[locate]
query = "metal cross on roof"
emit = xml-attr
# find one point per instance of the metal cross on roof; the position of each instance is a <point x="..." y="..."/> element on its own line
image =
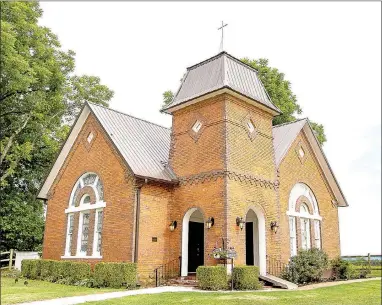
<point x="222" y="29"/>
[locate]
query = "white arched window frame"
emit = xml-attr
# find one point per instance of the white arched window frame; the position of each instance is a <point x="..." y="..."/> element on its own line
<point x="301" y="189"/>
<point x="84" y="209"/>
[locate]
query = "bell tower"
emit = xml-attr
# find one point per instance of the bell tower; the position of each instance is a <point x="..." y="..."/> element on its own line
<point x="222" y="120"/>
<point x="222" y="153"/>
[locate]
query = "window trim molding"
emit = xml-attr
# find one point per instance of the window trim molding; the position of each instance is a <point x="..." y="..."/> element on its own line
<point x="82" y="257"/>
<point x="293" y="250"/>
<point x="95" y="234"/>
<point x="67" y="249"/>
<point x="81" y="208"/>
<point x="308" y="216"/>
<point x="317" y="233"/>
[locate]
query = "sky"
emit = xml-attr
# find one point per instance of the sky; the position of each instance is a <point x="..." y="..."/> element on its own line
<point x="330" y="52"/>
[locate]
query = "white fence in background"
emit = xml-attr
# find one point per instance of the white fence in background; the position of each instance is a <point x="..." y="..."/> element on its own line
<point x="20" y="255"/>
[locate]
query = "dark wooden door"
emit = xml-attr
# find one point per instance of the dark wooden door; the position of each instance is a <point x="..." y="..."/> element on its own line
<point x="195" y="245"/>
<point x="249" y="243"/>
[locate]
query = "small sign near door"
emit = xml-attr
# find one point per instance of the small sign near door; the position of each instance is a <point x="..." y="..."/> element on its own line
<point x="154" y="239"/>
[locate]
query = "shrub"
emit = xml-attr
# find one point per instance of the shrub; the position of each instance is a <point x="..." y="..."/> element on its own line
<point x="61" y="270"/>
<point x="46" y="267"/>
<point x="79" y="271"/>
<point x="115" y="275"/>
<point x="212" y="277"/>
<point x="306" y="267"/>
<point x="31" y="268"/>
<point x="342" y="270"/>
<point x="52" y="271"/>
<point x="246" y="278"/>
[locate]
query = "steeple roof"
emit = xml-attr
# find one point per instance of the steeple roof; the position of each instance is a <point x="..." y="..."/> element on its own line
<point x="219" y="72"/>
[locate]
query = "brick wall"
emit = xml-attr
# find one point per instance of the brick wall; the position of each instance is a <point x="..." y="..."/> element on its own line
<point x="251" y="182"/>
<point x="101" y="158"/>
<point x="223" y="170"/>
<point x="154" y="220"/>
<point x="292" y="170"/>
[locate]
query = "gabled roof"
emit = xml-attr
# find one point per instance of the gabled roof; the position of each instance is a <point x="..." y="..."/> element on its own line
<point x="143" y="145"/>
<point x="218" y="72"/>
<point x="284" y="136"/>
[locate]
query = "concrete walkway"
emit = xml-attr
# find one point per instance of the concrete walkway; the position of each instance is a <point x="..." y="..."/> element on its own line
<point x="119" y="294"/>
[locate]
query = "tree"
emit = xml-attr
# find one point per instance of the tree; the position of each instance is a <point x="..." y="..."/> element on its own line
<point x="39" y="97"/>
<point x="280" y="92"/>
<point x="167" y="97"/>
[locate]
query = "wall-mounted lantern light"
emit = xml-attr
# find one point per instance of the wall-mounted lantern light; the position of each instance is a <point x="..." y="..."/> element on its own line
<point x="274" y="226"/>
<point x="210" y="222"/>
<point x="240" y="222"/>
<point x="173" y="225"/>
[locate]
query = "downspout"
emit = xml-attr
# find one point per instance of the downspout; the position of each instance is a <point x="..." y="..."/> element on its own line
<point x="137" y="210"/>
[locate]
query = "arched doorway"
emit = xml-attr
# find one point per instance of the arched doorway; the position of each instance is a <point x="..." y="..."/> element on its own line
<point x="192" y="241"/>
<point x="255" y="240"/>
<point x="251" y="239"/>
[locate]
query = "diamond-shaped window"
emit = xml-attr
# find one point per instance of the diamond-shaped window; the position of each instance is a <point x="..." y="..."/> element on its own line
<point x="90" y="137"/>
<point x="250" y="126"/>
<point x="196" y="127"/>
<point x="301" y="152"/>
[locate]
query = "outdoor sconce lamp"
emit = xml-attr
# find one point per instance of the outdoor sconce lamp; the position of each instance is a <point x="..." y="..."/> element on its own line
<point x="210" y="222"/>
<point x="173" y="225"/>
<point x="240" y="222"/>
<point x="274" y="226"/>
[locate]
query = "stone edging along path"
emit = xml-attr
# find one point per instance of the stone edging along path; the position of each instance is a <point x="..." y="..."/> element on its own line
<point x="119" y="294"/>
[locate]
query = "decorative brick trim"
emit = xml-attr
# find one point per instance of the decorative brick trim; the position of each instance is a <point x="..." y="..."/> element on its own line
<point x="214" y="175"/>
<point x="85" y="190"/>
<point x="302" y="199"/>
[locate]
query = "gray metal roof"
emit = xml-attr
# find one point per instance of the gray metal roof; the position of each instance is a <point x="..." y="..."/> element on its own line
<point x="145" y="146"/>
<point x="283" y="137"/>
<point x="221" y="71"/>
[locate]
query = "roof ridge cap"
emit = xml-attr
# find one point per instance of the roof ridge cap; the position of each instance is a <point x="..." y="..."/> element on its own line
<point x="129" y="115"/>
<point x="206" y="60"/>
<point x="241" y="62"/>
<point x="288" y="123"/>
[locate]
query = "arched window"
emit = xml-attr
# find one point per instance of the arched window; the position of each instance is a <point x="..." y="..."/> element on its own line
<point x="305" y="217"/>
<point x="86" y="199"/>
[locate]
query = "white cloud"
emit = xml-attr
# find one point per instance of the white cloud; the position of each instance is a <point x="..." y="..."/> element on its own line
<point x="331" y="52"/>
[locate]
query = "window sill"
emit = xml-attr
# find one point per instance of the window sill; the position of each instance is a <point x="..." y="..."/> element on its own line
<point x="309" y="216"/>
<point x="82" y="257"/>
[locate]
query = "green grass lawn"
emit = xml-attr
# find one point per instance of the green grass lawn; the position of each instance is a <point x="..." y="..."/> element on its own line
<point x="365" y="293"/>
<point x="12" y="292"/>
<point x="375" y="273"/>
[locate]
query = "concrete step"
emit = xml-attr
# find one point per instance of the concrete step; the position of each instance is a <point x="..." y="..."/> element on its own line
<point x="278" y="282"/>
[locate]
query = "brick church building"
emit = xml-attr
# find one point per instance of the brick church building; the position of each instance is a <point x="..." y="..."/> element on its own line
<point x="123" y="189"/>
